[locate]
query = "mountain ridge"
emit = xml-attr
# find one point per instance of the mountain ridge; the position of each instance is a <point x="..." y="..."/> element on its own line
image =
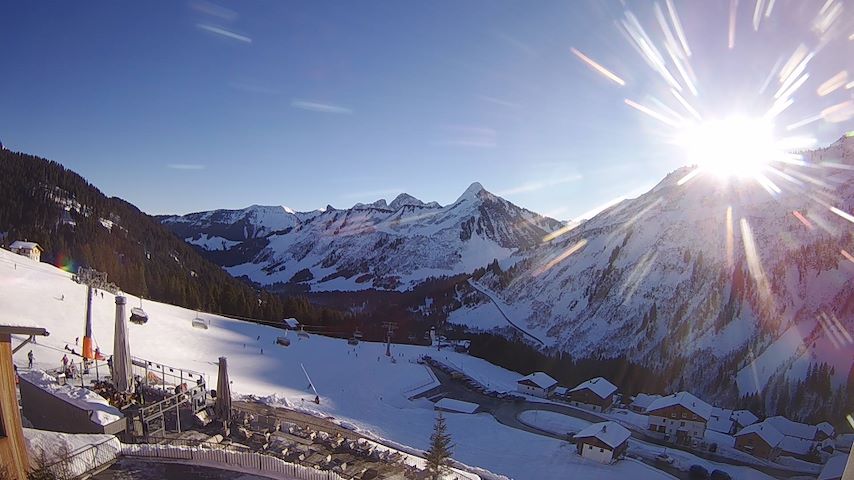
<point x="409" y="240"/>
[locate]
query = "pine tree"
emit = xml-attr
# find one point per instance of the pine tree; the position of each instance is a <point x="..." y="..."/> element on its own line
<point x="440" y="448"/>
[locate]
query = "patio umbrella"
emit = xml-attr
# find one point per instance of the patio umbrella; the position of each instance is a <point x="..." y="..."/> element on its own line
<point x="222" y="406"/>
<point x="122" y="367"/>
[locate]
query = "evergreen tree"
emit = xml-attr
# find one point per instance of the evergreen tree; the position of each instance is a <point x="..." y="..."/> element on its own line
<point x="440" y="448"/>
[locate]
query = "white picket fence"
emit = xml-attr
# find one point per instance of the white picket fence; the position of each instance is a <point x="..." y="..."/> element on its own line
<point x="265" y="465"/>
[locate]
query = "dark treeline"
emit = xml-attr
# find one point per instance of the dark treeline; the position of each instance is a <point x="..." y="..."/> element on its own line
<point x="519" y="356"/>
<point x="76" y="224"/>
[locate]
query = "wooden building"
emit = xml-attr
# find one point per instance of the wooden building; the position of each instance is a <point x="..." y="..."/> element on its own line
<point x="603" y="442"/>
<point x="596" y="394"/>
<point x="13" y="451"/>
<point x="760" y="440"/>
<point x="679" y="418"/>
<point x="537" y="383"/>
<point x="31" y="250"/>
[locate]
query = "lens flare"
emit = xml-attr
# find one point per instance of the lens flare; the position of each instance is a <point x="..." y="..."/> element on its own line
<point x="65" y="262"/>
<point x="736" y="146"/>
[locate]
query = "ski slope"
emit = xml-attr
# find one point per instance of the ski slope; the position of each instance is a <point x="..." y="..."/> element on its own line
<point x="358" y="385"/>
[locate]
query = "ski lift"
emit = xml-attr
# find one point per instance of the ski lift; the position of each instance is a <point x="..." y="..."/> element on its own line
<point x="353" y="341"/>
<point x="302" y="334"/>
<point x="283" y="341"/>
<point x="138" y="315"/>
<point x="200" y="322"/>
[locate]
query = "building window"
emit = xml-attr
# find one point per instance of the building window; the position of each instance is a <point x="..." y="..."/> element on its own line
<point x="601" y="450"/>
<point x="681" y="424"/>
<point x="673" y="415"/>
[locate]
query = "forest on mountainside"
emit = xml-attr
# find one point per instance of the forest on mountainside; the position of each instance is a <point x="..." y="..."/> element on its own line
<point x="77" y="225"/>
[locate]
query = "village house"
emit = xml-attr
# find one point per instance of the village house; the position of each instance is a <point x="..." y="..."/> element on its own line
<point x="760" y="440"/>
<point x="797" y="440"/>
<point x="642" y="401"/>
<point x="537" y="383"/>
<point x="727" y="421"/>
<point x="596" y="394"/>
<point x="13" y="451"/>
<point x="31" y="250"/>
<point x="603" y="442"/>
<point x="679" y="418"/>
<point x="819" y="436"/>
<point x="835" y="467"/>
<point x="744" y="418"/>
<point x="720" y="420"/>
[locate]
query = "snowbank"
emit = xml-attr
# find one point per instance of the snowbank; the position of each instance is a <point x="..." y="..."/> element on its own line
<point x="51" y="447"/>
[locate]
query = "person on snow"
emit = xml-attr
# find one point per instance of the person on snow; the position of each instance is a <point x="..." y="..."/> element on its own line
<point x="64" y="362"/>
<point x="30" y="358"/>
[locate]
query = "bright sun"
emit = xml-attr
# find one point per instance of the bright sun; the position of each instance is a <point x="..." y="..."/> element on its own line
<point x="736" y="146"/>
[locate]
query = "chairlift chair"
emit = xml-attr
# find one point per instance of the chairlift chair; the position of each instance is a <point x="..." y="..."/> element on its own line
<point x="200" y="322"/>
<point x="283" y="341"/>
<point x="138" y="315"/>
<point x="353" y="341"/>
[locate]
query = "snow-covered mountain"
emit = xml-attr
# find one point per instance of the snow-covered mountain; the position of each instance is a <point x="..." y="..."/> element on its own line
<point x="701" y="276"/>
<point x="378" y="245"/>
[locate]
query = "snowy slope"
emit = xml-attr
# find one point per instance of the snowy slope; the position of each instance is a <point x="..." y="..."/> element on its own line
<point x="378" y="245"/>
<point x="359" y="385"/>
<point x="713" y="269"/>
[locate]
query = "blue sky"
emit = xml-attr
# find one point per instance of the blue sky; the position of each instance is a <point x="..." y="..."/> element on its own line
<point x="187" y="106"/>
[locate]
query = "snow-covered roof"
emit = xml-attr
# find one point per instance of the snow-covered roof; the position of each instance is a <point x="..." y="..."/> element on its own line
<point x="610" y="433"/>
<point x="539" y="379"/>
<point x="826" y="428"/>
<point x="456" y="405"/>
<point x="766" y="432"/>
<point x="744" y="417"/>
<point x="102" y="413"/>
<point x="791" y="428"/>
<point x="800" y="446"/>
<point x="720" y="420"/>
<point x="601" y="387"/>
<point x="834" y="468"/>
<point x="684" y="399"/>
<point x="291" y="322"/>
<point x="17" y="244"/>
<point x="643" y="400"/>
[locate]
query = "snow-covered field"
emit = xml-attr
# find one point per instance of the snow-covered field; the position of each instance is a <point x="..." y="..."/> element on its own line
<point x="553" y="422"/>
<point x="358" y="384"/>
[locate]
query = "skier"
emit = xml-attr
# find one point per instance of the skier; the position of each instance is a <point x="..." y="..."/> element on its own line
<point x="64" y="362"/>
<point x="77" y="341"/>
<point x="30" y="358"/>
<point x="262" y="351"/>
<point x="62" y="298"/>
